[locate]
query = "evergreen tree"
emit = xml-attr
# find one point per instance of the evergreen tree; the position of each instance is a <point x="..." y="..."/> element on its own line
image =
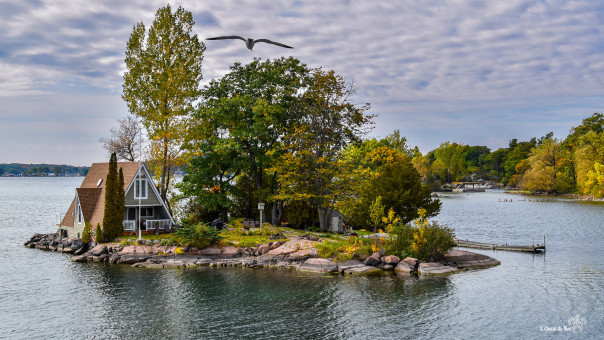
<point x="120" y="203"/>
<point x="98" y="235"/>
<point x="109" y="216"/>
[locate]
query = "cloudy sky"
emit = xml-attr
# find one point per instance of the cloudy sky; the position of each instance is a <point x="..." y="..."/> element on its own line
<point x="472" y="72"/>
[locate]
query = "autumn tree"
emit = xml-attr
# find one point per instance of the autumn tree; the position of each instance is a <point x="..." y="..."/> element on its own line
<point x="544" y="168"/>
<point x="382" y="171"/>
<point x="310" y="167"/>
<point x="161" y="85"/>
<point x="124" y="140"/>
<point x="250" y="110"/>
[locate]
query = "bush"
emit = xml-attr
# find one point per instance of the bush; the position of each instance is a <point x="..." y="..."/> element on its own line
<point x="399" y="242"/>
<point x="98" y="235"/>
<point x="87" y="233"/>
<point x="197" y="235"/>
<point x="432" y="241"/>
<point x="167" y="242"/>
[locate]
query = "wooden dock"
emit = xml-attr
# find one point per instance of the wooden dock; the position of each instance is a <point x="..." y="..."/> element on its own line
<point x="492" y="246"/>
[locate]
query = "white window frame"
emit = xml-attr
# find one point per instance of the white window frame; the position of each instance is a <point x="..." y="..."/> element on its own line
<point x="143" y="183"/>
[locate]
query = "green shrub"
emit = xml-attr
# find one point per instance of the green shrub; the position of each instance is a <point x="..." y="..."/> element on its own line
<point x="98" y="235"/>
<point x="400" y="240"/>
<point x="126" y="242"/>
<point x="236" y="223"/>
<point x="87" y="233"/>
<point x="198" y="235"/>
<point x="167" y="242"/>
<point x="432" y="241"/>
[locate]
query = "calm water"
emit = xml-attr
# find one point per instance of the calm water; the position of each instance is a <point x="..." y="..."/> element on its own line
<point x="43" y="295"/>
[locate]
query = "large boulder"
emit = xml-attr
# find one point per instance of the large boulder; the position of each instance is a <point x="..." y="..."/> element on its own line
<point x="342" y="266"/>
<point x="99" y="250"/>
<point x="263" y="249"/>
<point x="211" y="252"/>
<point x="374" y="260"/>
<point x="319" y="266"/>
<point x="230" y="252"/>
<point x="392" y="260"/>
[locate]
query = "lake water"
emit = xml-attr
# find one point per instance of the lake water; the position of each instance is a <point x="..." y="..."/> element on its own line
<point x="44" y="295"/>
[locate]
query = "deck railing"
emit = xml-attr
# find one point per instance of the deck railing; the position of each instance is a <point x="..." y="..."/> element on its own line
<point x="158" y="225"/>
<point x="129" y="225"/>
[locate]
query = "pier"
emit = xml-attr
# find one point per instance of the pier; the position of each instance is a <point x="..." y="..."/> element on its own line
<point x="535" y="248"/>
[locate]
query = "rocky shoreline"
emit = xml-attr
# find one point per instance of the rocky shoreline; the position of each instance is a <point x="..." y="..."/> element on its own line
<point x="297" y="253"/>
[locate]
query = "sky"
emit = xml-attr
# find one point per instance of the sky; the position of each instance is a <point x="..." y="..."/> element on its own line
<point x="471" y="72"/>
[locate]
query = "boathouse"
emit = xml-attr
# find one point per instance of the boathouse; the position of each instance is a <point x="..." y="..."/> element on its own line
<point x="88" y="205"/>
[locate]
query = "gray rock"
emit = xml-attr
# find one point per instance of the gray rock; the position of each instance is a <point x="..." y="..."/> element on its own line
<point x="342" y="266"/>
<point x="435" y="268"/>
<point x="319" y="266"/>
<point x="230" y="252"/>
<point x="211" y="252"/>
<point x="373" y="260"/>
<point x="363" y="270"/>
<point x="403" y="267"/>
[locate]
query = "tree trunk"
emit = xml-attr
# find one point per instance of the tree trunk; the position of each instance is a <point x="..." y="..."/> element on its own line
<point x="276" y="212"/>
<point x="324" y="217"/>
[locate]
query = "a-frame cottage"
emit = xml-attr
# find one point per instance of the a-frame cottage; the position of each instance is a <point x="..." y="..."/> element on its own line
<point x="88" y="204"/>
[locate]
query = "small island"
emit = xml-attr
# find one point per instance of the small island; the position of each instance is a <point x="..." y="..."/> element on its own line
<point x="289" y="250"/>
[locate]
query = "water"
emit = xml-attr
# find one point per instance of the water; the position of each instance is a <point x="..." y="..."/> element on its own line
<point x="43" y="295"/>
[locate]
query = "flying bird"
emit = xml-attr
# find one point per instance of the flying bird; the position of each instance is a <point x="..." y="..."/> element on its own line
<point x="249" y="42"/>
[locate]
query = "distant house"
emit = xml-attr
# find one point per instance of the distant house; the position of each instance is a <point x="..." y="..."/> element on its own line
<point x="88" y="204"/>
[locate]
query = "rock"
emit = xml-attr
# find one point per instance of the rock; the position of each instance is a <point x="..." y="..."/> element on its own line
<point x="268" y="260"/>
<point x="435" y="268"/>
<point x="131" y="259"/>
<point x="388" y="267"/>
<point x="211" y="251"/>
<point x="404" y="267"/>
<point x="80" y="251"/>
<point x="79" y="259"/>
<point x="293" y="246"/>
<point x="319" y="266"/>
<point x="277" y="236"/>
<point x="276" y="245"/>
<point x="412" y="262"/>
<point x="373" y="260"/>
<point x="263" y="249"/>
<point x="465" y="260"/>
<point x="99" y="250"/>
<point x="391" y="260"/>
<point x="342" y="266"/>
<point x="76" y="243"/>
<point x="363" y="270"/>
<point x="230" y="252"/>
<point x="308" y="237"/>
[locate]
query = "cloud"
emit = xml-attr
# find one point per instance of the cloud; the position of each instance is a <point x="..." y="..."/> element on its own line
<point x="469" y="71"/>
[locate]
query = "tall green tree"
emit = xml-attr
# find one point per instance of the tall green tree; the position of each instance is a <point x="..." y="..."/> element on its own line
<point x="249" y="111"/>
<point x="161" y="85"/>
<point x="112" y="217"/>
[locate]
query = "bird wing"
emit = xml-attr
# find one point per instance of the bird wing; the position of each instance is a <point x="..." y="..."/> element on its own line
<point x="271" y="42"/>
<point x="227" y="37"/>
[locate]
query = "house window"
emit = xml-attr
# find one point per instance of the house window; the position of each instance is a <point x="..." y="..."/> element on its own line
<point x="79" y="213"/>
<point x="140" y="188"/>
<point x="146" y="212"/>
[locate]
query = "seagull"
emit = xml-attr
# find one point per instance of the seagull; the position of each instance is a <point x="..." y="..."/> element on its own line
<point x="249" y="42"/>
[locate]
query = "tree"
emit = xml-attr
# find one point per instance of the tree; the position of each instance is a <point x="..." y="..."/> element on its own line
<point x="249" y="111"/>
<point x="98" y="235"/>
<point x="161" y="85"/>
<point x="544" y="168"/>
<point x="113" y="215"/>
<point x="124" y="140"/>
<point x="310" y="166"/>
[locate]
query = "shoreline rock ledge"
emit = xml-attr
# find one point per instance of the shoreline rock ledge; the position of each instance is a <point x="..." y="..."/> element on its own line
<point x="297" y="253"/>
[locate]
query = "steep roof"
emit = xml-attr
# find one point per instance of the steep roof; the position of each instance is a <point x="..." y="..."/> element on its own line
<point x="95" y="179"/>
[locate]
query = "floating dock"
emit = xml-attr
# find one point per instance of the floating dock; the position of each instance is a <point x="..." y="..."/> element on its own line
<point x="492" y="246"/>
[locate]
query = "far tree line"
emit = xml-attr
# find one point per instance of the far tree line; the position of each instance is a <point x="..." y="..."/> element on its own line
<point x="58" y="170"/>
<point x="545" y="164"/>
